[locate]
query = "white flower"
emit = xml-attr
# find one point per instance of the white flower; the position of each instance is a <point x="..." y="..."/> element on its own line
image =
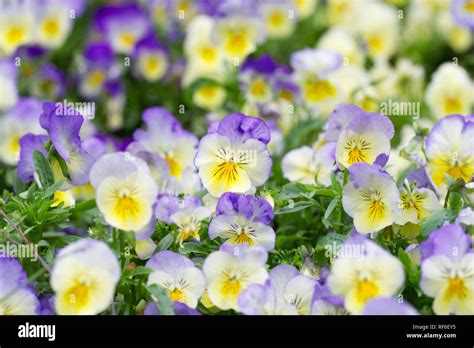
<point x="84" y="277"/>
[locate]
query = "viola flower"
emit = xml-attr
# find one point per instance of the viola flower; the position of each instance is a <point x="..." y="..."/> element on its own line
<point x="17" y="25"/>
<point x="367" y="272"/>
<point x="16" y="297"/>
<point x="341" y="41"/>
<point x="449" y="150"/>
<point x="165" y="137"/>
<point x="447" y="271"/>
<point x="125" y="190"/>
<point x="15" y="123"/>
<point x="360" y="136"/>
<point x="450" y="91"/>
<point x="313" y="70"/>
<point x="243" y="219"/>
<point x="151" y="59"/>
<point x="231" y="270"/>
<point x="256" y="78"/>
<point x="238" y="35"/>
<point x="204" y="58"/>
<point x="371" y="198"/>
<point x="278" y="21"/>
<point x="177" y="274"/>
<point x="308" y="165"/>
<point x="30" y="143"/>
<point x="84" y="277"/>
<point x="325" y="303"/>
<point x="187" y="214"/>
<point x="388" y="306"/>
<point x="48" y="83"/>
<point x="415" y="204"/>
<point x="122" y="25"/>
<point x="286" y="292"/>
<point x="63" y="125"/>
<point x="98" y="67"/>
<point x="233" y="156"/>
<point x="55" y="21"/>
<point x="8" y="83"/>
<point x="463" y="12"/>
<point x="304" y="8"/>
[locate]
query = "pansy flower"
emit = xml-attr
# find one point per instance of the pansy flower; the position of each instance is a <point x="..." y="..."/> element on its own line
<point x="360" y="136"/>
<point x="8" y="83"/>
<point x="17" y="25"/>
<point x="256" y="77"/>
<point x="231" y="270"/>
<point x="84" y="277"/>
<point x="449" y="150"/>
<point x="233" y="156"/>
<point x="151" y="59"/>
<point x="165" y="137"/>
<point x="48" y="83"/>
<point x="277" y="18"/>
<point x="308" y="165"/>
<point x="415" y="204"/>
<point x="364" y="271"/>
<point x="63" y="125"/>
<point x="123" y="25"/>
<point x="187" y="213"/>
<point x="313" y="70"/>
<point x="125" y="191"/>
<point x="243" y="219"/>
<point x="178" y="275"/>
<point x="16" y="297"/>
<point x="286" y="292"/>
<point x="15" y="123"/>
<point x="371" y="197"/>
<point x="447" y="270"/>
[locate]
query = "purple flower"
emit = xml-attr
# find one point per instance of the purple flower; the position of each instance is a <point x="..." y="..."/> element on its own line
<point x="449" y="240"/>
<point x="64" y="124"/>
<point x="388" y="306"/>
<point x="177" y="274"/>
<point x="243" y="219"/>
<point x="49" y="83"/>
<point x="151" y="59"/>
<point x="28" y="144"/>
<point x="16" y="298"/>
<point x="123" y="25"/>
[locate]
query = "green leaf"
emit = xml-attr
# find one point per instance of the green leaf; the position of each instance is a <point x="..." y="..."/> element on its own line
<point x="54" y="187"/>
<point x="435" y="220"/>
<point x="332" y="205"/>
<point x="194" y="248"/>
<point x="294" y="207"/>
<point x="43" y="168"/>
<point x="162" y="298"/>
<point x="455" y="202"/>
<point x="166" y="242"/>
<point x="295" y="190"/>
<point x="330" y="239"/>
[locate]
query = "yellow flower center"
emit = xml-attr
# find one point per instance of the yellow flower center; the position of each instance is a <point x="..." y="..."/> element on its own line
<point x="375" y="43"/>
<point x="227" y="171"/>
<point x="15" y="35"/>
<point x="243" y="238"/>
<point x="456" y="288"/>
<point x="96" y="78"/>
<point x="237" y="43"/>
<point x="366" y="290"/>
<point x="318" y="90"/>
<point x="175" y="168"/>
<point x="452" y="105"/>
<point x="208" y="92"/>
<point x="126" y="205"/>
<point x="258" y="88"/>
<point x="376" y="207"/>
<point x="78" y="295"/>
<point x="51" y="27"/>
<point x="276" y="19"/>
<point x="232" y="287"/>
<point x="152" y="64"/>
<point x="413" y="200"/>
<point x="176" y="295"/>
<point x="127" y="39"/>
<point x="356" y="151"/>
<point x="208" y="54"/>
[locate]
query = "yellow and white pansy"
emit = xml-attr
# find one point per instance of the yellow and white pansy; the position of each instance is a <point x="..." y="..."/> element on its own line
<point x="178" y="275"/>
<point x="279" y="19"/>
<point x="371" y="198"/>
<point x="17" y="25"/>
<point x="230" y="271"/>
<point x="54" y="24"/>
<point x="450" y="91"/>
<point x="84" y="277"/>
<point x="363" y="271"/>
<point x="449" y="149"/>
<point x="234" y="156"/>
<point x="125" y="190"/>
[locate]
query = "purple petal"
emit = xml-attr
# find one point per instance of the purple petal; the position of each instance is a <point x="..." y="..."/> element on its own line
<point x="28" y="144"/>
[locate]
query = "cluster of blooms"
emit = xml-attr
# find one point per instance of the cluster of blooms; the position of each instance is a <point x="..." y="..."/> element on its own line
<point x="197" y="213"/>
